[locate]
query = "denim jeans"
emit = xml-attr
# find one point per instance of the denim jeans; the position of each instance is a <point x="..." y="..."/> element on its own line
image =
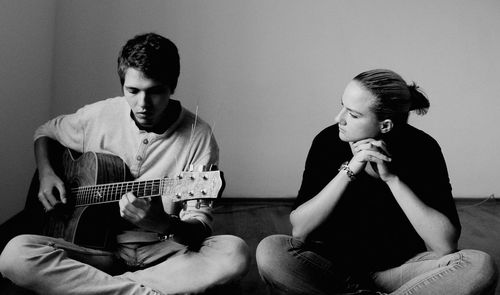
<point x="288" y="267"/>
<point x="53" y="266"/>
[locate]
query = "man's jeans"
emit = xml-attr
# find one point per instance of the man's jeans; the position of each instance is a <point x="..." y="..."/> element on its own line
<point x="53" y="266"/>
<point x="289" y="268"/>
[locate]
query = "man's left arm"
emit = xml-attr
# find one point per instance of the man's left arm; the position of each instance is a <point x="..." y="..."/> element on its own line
<point x="148" y="214"/>
<point x="196" y="217"/>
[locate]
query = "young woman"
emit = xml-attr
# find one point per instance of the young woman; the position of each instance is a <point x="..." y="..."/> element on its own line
<point x="385" y="221"/>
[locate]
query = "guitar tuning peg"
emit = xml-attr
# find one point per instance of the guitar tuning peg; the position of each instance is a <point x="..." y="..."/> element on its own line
<point x="179" y="176"/>
<point x="203" y="192"/>
<point x="191" y="193"/>
<point x="205" y="177"/>
<point x="178" y="195"/>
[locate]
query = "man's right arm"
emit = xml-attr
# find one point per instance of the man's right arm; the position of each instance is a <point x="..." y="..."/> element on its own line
<point x="51" y="189"/>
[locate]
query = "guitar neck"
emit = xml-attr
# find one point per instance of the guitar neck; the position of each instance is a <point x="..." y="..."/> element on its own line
<point x="112" y="192"/>
<point x="187" y="186"/>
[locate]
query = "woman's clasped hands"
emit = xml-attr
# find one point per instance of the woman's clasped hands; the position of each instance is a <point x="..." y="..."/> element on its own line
<point x="374" y="152"/>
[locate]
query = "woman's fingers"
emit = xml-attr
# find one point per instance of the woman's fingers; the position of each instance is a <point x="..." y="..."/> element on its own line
<point x="370" y="144"/>
<point x="381" y="145"/>
<point x="376" y="156"/>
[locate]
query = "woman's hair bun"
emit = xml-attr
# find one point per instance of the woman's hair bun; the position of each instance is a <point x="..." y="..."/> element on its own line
<point x="419" y="102"/>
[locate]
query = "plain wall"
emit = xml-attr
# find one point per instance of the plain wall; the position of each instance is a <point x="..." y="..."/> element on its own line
<point x="268" y="75"/>
<point x="27" y="32"/>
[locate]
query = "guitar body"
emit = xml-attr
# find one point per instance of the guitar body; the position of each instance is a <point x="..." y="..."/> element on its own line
<point x="94" y="184"/>
<point x="88" y="226"/>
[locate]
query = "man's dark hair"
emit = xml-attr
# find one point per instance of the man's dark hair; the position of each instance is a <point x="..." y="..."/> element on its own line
<point x="155" y="56"/>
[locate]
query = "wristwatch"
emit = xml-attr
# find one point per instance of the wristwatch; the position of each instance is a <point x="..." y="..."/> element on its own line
<point x="174" y="221"/>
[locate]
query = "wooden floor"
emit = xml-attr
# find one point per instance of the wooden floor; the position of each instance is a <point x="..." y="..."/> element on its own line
<point x="255" y="219"/>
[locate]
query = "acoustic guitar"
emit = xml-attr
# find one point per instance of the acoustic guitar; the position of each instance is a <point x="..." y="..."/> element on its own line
<point x="95" y="182"/>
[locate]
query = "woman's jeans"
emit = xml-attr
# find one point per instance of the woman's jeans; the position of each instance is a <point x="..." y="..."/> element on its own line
<point x="289" y="268"/>
<point x="53" y="266"/>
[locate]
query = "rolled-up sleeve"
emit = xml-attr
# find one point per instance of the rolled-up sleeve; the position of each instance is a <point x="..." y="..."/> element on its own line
<point x="68" y="130"/>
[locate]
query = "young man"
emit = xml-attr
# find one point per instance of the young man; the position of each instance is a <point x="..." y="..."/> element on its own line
<point x="156" y="137"/>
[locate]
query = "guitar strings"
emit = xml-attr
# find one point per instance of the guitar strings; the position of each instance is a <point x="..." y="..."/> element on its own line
<point x="110" y="192"/>
<point x="212" y="127"/>
<point x="114" y="191"/>
<point x="191" y="137"/>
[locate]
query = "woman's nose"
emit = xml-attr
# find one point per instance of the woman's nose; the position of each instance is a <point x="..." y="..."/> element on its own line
<point x="340" y="117"/>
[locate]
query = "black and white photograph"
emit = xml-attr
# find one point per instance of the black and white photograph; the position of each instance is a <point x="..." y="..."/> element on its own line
<point x="249" y="147"/>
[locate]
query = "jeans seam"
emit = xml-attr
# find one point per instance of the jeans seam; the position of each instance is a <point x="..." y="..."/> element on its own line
<point x="79" y="250"/>
<point x="456" y="265"/>
<point x="303" y="257"/>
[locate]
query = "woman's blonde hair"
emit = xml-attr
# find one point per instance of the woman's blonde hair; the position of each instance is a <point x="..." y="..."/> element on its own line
<point x="394" y="97"/>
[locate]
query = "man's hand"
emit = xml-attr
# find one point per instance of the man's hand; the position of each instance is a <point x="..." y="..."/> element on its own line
<point x="147" y="213"/>
<point x="371" y="151"/>
<point x="49" y="184"/>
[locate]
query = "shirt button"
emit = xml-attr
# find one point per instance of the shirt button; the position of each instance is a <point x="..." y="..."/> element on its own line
<point x="139" y="158"/>
<point x="145" y="141"/>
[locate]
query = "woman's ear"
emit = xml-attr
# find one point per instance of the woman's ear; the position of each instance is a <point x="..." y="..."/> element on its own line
<point x="386" y="125"/>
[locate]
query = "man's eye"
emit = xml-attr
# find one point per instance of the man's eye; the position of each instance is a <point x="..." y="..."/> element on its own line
<point x="158" y="90"/>
<point x="132" y="90"/>
<point x="155" y="91"/>
<point x="353" y="115"/>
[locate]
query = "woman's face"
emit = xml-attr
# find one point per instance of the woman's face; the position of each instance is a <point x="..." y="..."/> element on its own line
<point x="356" y="120"/>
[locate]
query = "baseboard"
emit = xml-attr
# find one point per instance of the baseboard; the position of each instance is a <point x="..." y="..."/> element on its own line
<point x="274" y="200"/>
<point x="228" y="200"/>
<point x="491" y="197"/>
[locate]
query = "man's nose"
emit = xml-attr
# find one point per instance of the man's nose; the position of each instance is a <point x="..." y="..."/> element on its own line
<point x="142" y="99"/>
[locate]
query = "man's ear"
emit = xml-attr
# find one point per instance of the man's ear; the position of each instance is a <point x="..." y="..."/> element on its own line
<point x="386" y="125"/>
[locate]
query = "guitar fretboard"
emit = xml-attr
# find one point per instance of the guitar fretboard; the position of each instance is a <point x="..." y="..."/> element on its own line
<point x="112" y="192"/>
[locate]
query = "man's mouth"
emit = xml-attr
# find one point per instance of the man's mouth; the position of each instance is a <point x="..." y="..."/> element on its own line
<point x="143" y="114"/>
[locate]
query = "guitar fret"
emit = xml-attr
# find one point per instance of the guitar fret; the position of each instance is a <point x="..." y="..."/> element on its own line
<point x="113" y="192"/>
<point x="144" y="187"/>
<point x="108" y="193"/>
<point x="135" y="185"/>
<point x="123" y="188"/>
<point x="102" y="193"/>
<point x="87" y="197"/>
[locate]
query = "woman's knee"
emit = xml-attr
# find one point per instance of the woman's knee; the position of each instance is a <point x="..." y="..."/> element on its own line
<point x="287" y="266"/>
<point x="272" y="253"/>
<point x="483" y="266"/>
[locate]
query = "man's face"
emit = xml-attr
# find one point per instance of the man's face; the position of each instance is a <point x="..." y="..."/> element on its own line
<point x="356" y="120"/>
<point x="148" y="99"/>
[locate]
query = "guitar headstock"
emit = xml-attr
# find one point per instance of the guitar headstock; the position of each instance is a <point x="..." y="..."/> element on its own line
<point x="197" y="185"/>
